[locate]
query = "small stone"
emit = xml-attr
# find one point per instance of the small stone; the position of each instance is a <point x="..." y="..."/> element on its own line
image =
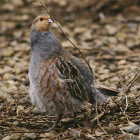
<point x="15" y="123"/>
<point x="112" y="40"/>
<point x="22" y="87"/>
<point x="121" y="62"/>
<point x="8" y="6"/>
<point x="131" y="35"/>
<point x="23" y="47"/>
<point x="67" y="31"/>
<point x="20" y="110"/>
<point x="112" y="67"/>
<point x="7" y="69"/>
<point x="132" y="139"/>
<point x="15" y="136"/>
<point x="101" y="15"/>
<point x="120" y="126"/>
<point x="130" y="43"/>
<point x="88" y="35"/>
<point x="17" y="2"/>
<point x="79" y="30"/>
<point x="90" y="137"/>
<point x="30" y="135"/>
<point x="98" y="134"/>
<point x="121" y="36"/>
<point x="66" y="44"/>
<point x="12" y="88"/>
<point x="24" y="100"/>
<point x="13" y="43"/>
<point x="74" y="133"/>
<point x="9" y="52"/>
<point x="63" y="3"/>
<point x="123" y="118"/>
<point x="121" y="48"/>
<point x="131" y="124"/>
<point x="17" y="35"/>
<point x="1" y="107"/>
<point x="8" y="76"/>
<point x="131" y="129"/>
<point x="25" y="17"/>
<point x="104" y="76"/>
<point x="36" y="111"/>
<point x="1" y="136"/>
<point x="103" y="71"/>
<point x="115" y="79"/>
<point x="111" y="127"/>
<point x="138" y="87"/>
<point x="111" y="105"/>
<point x="111" y="30"/>
<point x="48" y="135"/>
<point x="4" y="95"/>
<point x="7" y="138"/>
<point x="98" y="43"/>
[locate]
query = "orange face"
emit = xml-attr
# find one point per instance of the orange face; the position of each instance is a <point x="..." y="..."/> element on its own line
<point x="43" y="23"/>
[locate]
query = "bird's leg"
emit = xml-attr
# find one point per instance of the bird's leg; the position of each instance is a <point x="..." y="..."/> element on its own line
<point x="75" y="120"/>
<point x="56" y="123"/>
<point x="58" y="120"/>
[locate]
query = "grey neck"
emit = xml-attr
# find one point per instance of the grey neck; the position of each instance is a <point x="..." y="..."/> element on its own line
<point x="35" y="36"/>
<point x="44" y="44"/>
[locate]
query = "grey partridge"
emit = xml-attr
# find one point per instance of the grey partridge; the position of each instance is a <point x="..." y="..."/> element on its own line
<point x="60" y="83"/>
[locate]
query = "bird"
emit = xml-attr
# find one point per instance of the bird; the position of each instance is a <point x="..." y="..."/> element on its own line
<point x="60" y="83"/>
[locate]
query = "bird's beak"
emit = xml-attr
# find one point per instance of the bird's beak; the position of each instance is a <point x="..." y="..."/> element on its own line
<point x="49" y="21"/>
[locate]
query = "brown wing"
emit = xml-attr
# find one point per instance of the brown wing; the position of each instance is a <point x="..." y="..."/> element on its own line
<point x="75" y="84"/>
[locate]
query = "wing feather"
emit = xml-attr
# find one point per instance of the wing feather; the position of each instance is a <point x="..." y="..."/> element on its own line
<point x="75" y="84"/>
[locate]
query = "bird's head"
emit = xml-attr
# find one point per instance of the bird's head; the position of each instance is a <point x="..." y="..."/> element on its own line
<point x="42" y="23"/>
<point x="41" y="37"/>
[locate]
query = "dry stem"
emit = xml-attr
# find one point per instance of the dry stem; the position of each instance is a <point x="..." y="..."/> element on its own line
<point x="132" y="82"/>
<point x="118" y="85"/>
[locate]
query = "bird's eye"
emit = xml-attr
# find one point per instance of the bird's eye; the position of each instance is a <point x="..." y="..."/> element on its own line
<point x="41" y="19"/>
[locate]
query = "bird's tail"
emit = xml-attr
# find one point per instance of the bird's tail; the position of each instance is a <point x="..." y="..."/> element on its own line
<point x="103" y="93"/>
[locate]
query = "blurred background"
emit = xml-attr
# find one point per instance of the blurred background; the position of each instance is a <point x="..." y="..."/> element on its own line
<point x="106" y="31"/>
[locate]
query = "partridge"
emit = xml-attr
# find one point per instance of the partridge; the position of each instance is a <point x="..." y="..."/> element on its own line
<point x="60" y="83"/>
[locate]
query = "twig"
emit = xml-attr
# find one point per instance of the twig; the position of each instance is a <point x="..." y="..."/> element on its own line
<point x="126" y="108"/>
<point x="3" y="113"/>
<point x="56" y="136"/>
<point x="29" y="131"/>
<point x="126" y="104"/>
<point x="122" y="131"/>
<point x="30" y="109"/>
<point x="36" y="4"/>
<point x="118" y="85"/>
<point x="99" y="116"/>
<point x="139" y="133"/>
<point x="132" y="82"/>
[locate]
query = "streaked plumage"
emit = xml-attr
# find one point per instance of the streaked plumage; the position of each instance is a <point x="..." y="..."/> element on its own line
<point x="59" y="82"/>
